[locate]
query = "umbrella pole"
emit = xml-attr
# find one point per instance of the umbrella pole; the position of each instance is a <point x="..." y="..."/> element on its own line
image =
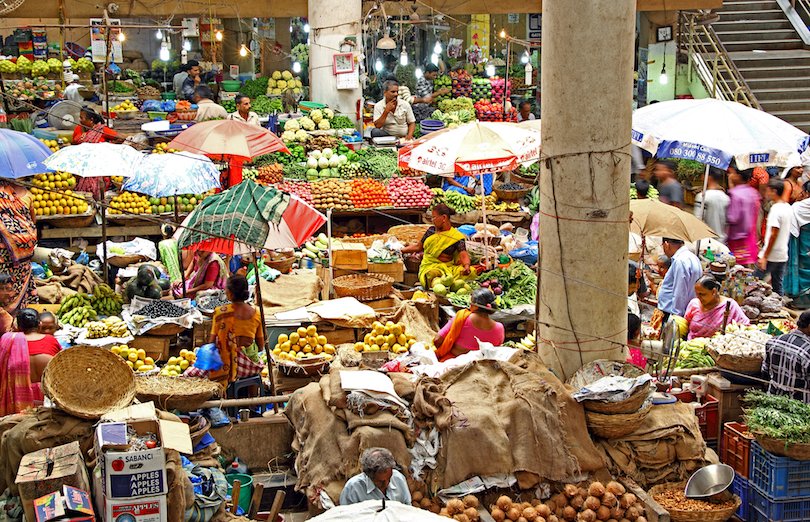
<point x="260" y="304"/>
<point x="180" y="250"/>
<point x="329" y="237"/>
<point x="703" y="202"/>
<point x="484" y="219"/>
<point x="104" y="230"/>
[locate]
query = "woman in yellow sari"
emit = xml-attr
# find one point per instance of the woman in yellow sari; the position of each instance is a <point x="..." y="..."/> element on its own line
<point x="444" y="249"/>
<point x="235" y="328"/>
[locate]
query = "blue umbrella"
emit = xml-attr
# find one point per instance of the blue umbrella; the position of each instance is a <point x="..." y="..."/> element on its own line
<point x="167" y="175"/>
<point x="21" y="155"/>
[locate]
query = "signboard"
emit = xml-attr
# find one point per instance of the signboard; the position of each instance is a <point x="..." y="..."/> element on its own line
<point x="98" y="40"/>
<point x="534" y="26"/>
<point x="478" y="33"/>
<point x="513" y="18"/>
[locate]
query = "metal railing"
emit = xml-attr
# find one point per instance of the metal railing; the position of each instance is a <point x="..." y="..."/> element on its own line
<point x="798" y="12"/>
<point x="710" y="60"/>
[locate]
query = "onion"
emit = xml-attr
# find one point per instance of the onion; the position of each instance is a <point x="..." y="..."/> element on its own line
<point x="615" y="488"/>
<point x="617" y="512"/>
<point x="497" y="514"/>
<point x="582" y="492"/>
<point x="560" y="500"/>
<point x="627" y="500"/>
<point x="596" y="490"/>
<point x="504" y="503"/>
<point x="521" y="519"/>
<point x="471" y="501"/>
<point x="552" y="518"/>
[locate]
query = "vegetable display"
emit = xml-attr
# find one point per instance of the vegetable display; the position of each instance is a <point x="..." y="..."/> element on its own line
<point x="460" y="203"/>
<point x="369" y="193"/>
<point x="518" y="281"/>
<point x="438" y="84"/>
<point x="778" y="416"/>
<point x="693" y="354"/>
<point x="652" y="193"/>
<point x="300" y="189"/>
<point x="456" y="104"/>
<point x="386" y="337"/>
<point x="304" y="343"/>
<point x="461" y="83"/>
<point x="481" y="89"/>
<point x="382" y="163"/>
<point x="744" y="342"/>
<point x="409" y="193"/>
<point x="331" y="193"/>
<point x="675" y="499"/>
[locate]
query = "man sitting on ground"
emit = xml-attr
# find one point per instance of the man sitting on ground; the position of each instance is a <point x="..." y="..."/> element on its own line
<point x="377" y="480"/>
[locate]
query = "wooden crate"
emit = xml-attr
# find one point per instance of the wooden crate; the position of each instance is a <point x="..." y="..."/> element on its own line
<point x="395" y="270"/>
<point x="201" y="332"/>
<point x="155" y="346"/>
<point x="386" y="305"/>
<point x="350" y="256"/>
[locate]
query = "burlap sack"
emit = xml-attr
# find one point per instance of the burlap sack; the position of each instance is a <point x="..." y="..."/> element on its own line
<point x="290" y="291"/>
<point x="52" y="292"/>
<point x="79" y="278"/>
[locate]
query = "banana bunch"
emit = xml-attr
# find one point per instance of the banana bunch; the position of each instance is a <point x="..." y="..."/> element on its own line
<point x="506" y="206"/>
<point x="116" y="327"/>
<point x="79" y="317"/>
<point x="96" y="330"/>
<point x="491" y="200"/>
<point x="71" y="303"/>
<point x="105" y="301"/>
<point x="528" y="343"/>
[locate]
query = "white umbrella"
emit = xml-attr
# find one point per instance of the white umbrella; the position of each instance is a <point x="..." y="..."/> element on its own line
<point x="371" y="511"/>
<point x="167" y="175"/>
<point x="714" y="132"/>
<point x="95" y="160"/>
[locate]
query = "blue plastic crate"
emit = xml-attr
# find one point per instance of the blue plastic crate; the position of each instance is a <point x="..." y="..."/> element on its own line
<point x="765" y="509"/>
<point x="741" y="487"/>
<point x="779" y="477"/>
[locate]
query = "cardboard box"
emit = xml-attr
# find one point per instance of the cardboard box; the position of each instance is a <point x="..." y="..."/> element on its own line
<point x="396" y="270"/>
<point x="48" y="470"/>
<point x="349" y="256"/>
<point x="69" y="504"/>
<point x="147" y="509"/>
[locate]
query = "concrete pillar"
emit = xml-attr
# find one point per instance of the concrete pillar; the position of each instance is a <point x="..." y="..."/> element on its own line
<point x="331" y="21"/>
<point x="587" y="85"/>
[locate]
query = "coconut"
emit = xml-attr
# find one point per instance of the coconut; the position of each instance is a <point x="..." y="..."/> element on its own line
<point x="471" y="513"/>
<point x="513" y="513"/>
<point x="632" y="513"/>
<point x="569" y="513"/>
<point x="543" y="510"/>
<point x="627" y="500"/>
<point x="552" y="518"/>
<point x="530" y="514"/>
<point x="596" y="489"/>
<point x="461" y="518"/>
<point x="417" y="496"/>
<point x="587" y="515"/>
<point x="425" y="503"/>
<point x="570" y="490"/>
<point x="521" y="519"/>
<point x="609" y="499"/>
<point x="471" y="501"/>
<point x="577" y="501"/>
<point x="560" y="500"/>
<point x="592" y="503"/>
<point x="582" y="492"/>
<point x="617" y="512"/>
<point x="641" y="519"/>
<point x="603" y="513"/>
<point x="455" y="506"/>
<point x="504" y="503"/>
<point x="615" y="488"/>
<point x="497" y="514"/>
<point x="443" y="513"/>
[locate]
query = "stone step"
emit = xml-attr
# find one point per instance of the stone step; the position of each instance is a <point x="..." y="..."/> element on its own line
<point x="753" y="5"/>
<point x="763" y="45"/>
<point x="744" y="35"/>
<point x="766" y="70"/>
<point x="776" y="106"/>
<point x="760" y="15"/>
<point x="777" y="82"/>
<point x="779" y="94"/>
<point x="752" y="25"/>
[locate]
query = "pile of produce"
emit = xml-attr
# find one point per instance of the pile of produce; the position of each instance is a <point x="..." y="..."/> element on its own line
<point x="652" y="193"/>
<point x="693" y="354"/>
<point x="369" y="193"/>
<point x="270" y="174"/>
<point x="321" y="118"/>
<point x="296" y="171"/>
<point x="305" y="343"/>
<point x="760" y="299"/>
<point x="456" y="104"/>
<point x="675" y="499"/>
<point x="342" y="122"/>
<point x="130" y="203"/>
<point x="282" y="81"/>
<point x="163" y="148"/>
<point x="740" y="342"/>
<point x="125" y="106"/>
<point x="518" y="284"/>
<point x="481" y="89"/>
<point x="381" y="163"/>
<point x="158" y="309"/>
<point x="177" y="365"/>
<point x="297" y="154"/>
<point x="38" y="88"/>
<point x="356" y="169"/>
<point x="448" y="284"/>
<point x="501" y="89"/>
<point x="461" y="83"/>
<point x="76" y="310"/>
<point x="439" y="83"/>
<point x="386" y="337"/>
<point x="778" y="417"/>
<point x="460" y="203"/>
<point x="409" y="193"/>
<point x="136" y="359"/>
<point x="106" y="301"/>
<point x="148" y="92"/>
<point x="453" y="119"/>
<point x="465" y="510"/>
<point x="324" y="164"/>
<point x="315" y="247"/>
<point x="51" y="203"/>
<point x="326" y="142"/>
<point x="527" y="343"/>
<point x="54" y="180"/>
<point x="112" y="326"/>
<point x="596" y="502"/>
<point x="331" y="193"/>
<point x="255" y="87"/>
<point x="54" y="145"/>
<point x="299" y="188"/>
<point x="295" y="132"/>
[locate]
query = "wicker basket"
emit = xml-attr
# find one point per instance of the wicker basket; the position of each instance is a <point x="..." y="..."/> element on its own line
<point x="511" y="195"/>
<point x="125" y="261"/>
<point x="780" y="447"/>
<point x="176" y="393"/>
<point x="363" y="287"/>
<point x="283" y="265"/>
<point x="677" y="515"/>
<point x="629" y="405"/>
<point x="366" y="241"/>
<point x="301" y="369"/>
<point x="186" y="115"/>
<point x="751" y="365"/>
<point x="408" y="234"/>
<point x="88" y="382"/>
<point x="69" y="220"/>
<point x="615" y="426"/>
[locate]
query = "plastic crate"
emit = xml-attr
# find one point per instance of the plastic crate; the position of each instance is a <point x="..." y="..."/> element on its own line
<point x="765" y="509"/>
<point x="707" y="414"/>
<point x="741" y="487"/>
<point x="779" y="477"/>
<point x="735" y="447"/>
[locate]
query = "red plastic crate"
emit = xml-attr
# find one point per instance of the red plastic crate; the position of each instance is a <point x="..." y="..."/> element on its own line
<point x="707" y="414"/>
<point x="735" y="447"/>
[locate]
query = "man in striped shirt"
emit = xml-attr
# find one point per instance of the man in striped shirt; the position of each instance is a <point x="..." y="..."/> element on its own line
<point x="787" y="361"/>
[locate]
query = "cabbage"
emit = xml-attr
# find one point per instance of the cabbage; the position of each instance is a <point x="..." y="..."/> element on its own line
<point x="292" y="125"/>
<point x="316" y="154"/>
<point x="316" y="115"/>
<point x="301" y="135"/>
<point x="287" y="75"/>
<point x="307" y="124"/>
<point x="312" y="163"/>
<point x="327" y="153"/>
<point x="288" y="136"/>
<point x="334" y="161"/>
<point x="324" y="125"/>
<point x="323" y="162"/>
<point x="342" y="159"/>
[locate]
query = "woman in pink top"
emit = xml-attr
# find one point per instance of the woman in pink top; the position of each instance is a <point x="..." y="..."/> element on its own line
<point x="461" y="335"/>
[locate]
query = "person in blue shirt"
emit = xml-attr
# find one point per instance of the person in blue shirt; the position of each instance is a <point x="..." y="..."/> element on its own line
<point x="678" y="286"/>
<point x="377" y="480"/>
<point x="468" y="185"/>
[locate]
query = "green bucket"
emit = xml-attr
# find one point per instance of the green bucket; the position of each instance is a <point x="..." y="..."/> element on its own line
<point x="246" y="491"/>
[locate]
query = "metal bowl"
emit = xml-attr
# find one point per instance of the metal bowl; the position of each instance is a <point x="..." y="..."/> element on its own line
<point x="710" y="482"/>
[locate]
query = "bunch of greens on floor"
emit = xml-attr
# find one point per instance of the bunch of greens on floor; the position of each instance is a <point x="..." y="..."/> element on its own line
<point x="519" y="283"/>
<point x="778" y="416"/>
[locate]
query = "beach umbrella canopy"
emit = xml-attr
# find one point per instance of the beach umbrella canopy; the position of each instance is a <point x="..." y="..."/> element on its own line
<point x="714" y="132"/>
<point x="21" y="155"/>
<point x="95" y="160"/>
<point x="653" y="218"/>
<point x="166" y="175"/>
<point x="249" y="217"/>
<point x="228" y="139"/>
<point x="475" y="147"/>
<point x="531" y="124"/>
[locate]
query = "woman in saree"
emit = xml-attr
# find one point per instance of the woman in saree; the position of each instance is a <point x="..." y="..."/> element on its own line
<point x="91" y="129"/>
<point x="236" y="330"/>
<point x="207" y="271"/>
<point x="706" y="313"/>
<point x="797" y="274"/>
<point x="444" y="249"/>
<point x="468" y="327"/>
<point x="19" y="238"/>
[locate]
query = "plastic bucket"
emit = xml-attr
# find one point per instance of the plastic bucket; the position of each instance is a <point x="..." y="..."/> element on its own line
<point x="246" y="490"/>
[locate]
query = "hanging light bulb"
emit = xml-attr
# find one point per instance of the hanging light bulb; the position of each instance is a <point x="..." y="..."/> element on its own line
<point x="663" y="79"/>
<point x="502" y="34"/>
<point x="490" y="70"/>
<point x="186" y="45"/>
<point x="243" y="51"/>
<point x="218" y="36"/>
<point x="403" y="58"/>
<point x="418" y="72"/>
<point x="525" y="58"/>
<point x="164" y="52"/>
<point x="121" y="36"/>
<point x="434" y="59"/>
<point x="306" y="28"/>
<point x="296" y="67"/>
<point x="159" y="34"/>
<point x="378" y="66"/>
<point x="437" y="49"/>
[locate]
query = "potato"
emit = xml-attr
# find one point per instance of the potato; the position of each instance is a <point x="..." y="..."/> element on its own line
<point x="417" y="496"/>
<point x="425" y="503"/>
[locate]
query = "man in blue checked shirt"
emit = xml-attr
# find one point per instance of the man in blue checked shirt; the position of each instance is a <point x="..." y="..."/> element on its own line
<point x="678" y="287"/>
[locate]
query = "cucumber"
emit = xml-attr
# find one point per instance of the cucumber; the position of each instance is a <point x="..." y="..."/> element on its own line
<point x="322" y="238"/>
<point x="312" y="248"/>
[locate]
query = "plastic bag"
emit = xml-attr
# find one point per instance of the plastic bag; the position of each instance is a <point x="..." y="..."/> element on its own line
<point x="83" y="258"/>
<point x="208" y="358"/>
<point x="151" y="106"/>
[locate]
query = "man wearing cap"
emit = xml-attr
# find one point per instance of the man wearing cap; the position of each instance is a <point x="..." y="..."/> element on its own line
<point x="792" y="176"/>
<point x="72" y="90"/>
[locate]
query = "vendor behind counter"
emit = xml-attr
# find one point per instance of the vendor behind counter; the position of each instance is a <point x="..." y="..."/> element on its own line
<point x="444" y="249"/>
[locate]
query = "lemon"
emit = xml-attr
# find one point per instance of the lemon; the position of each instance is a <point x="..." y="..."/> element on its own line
<point x="321" y="340"/>
<point x="282" y="338"/>
<point x="359" y="347"/>
<point x="328" y="348"/>
<point x="133" y="356"/>
<point x="141" y="354"/>
<point x="294" y="338"/>
<point x="184" y="365"/>
<point x="302" y="332"/>
<point x="132" y="366"/>
<point x="149" y="361"/>
<point x="138" y="363"/>
<point x="311" y="330"/>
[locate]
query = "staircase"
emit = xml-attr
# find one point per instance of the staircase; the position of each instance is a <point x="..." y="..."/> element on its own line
<point x="768" y="56"/>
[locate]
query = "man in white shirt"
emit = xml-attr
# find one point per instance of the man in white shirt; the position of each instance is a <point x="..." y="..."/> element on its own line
<point x="72" y="90"/>
<point x="377" y="480"/>
<point x="525" y="111"/>
<point x="243" y="112"/>
<point x="713" y="211"/>
<point x="393" y="116"/>
<point x="207" y="109"/>
<point x="774" y="255"/>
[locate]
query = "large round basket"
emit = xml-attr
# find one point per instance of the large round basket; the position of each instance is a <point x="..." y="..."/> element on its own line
<point x="364" y="287"/>
<point x="408" y="234"/>
<point x="283" y="265"/>
<point x="629" y="405"/>
<point x="678" y="515"/>
<point x="176" y="393"/>
<point x="366" y="241"/>
<point x="752" y="365"/>
<point x="595" y="370"/>
<point x="304" y="368"/>
<point x="615" y="426"/>
<point x="511" y="195"/>
<point x="88" y="382"/>
<point x="780" y="447"/>
<point x="125" y="261"/>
